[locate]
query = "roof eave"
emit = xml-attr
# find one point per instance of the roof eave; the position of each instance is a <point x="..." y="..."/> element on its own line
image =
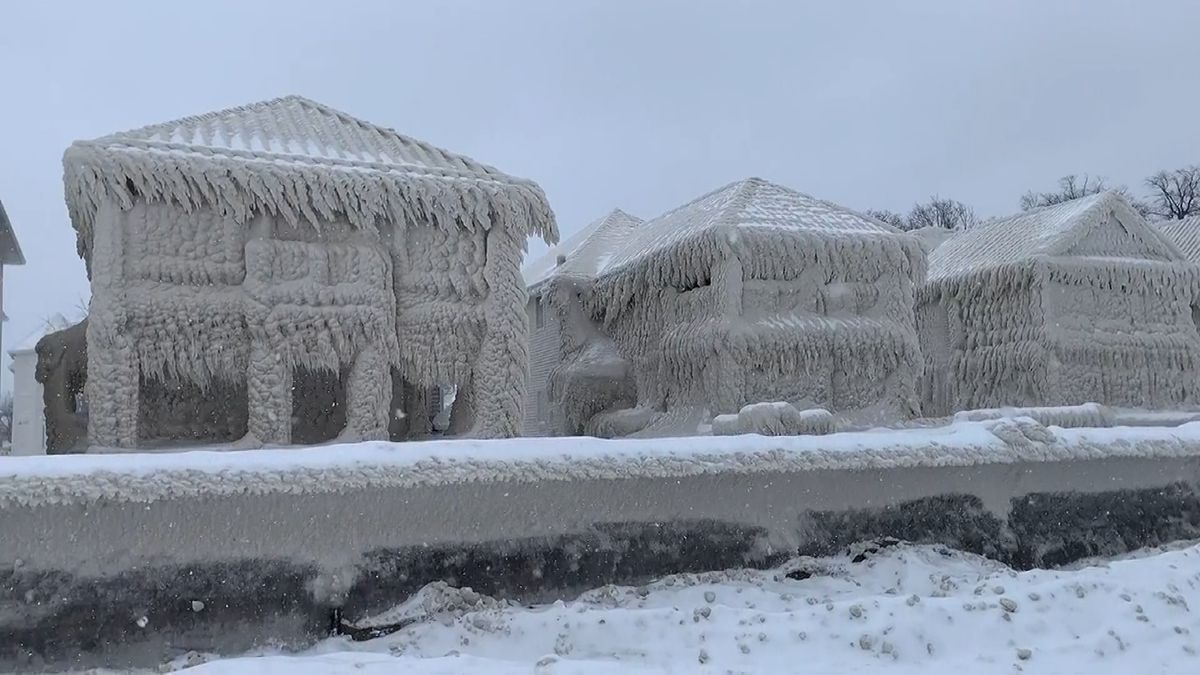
<point x="10" y="248"/>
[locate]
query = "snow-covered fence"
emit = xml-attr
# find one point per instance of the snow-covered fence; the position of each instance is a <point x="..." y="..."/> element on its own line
<point x="125" y="559"/>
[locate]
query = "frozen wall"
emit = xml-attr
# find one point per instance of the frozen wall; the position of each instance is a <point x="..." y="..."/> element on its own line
<point x="28" y="417"/>
<point x="540" y="409"/>
<point x="982" y="344"/>
<point x="191" y="301"/>
<point x="591" y="376"/>
<point x="814" y="320"/>
<point x="1125" y="338"/>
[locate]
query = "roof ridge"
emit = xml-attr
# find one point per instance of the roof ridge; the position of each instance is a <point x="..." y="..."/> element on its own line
<point x="201" y="117"/>
<point x="143" y="134"/>
<point x="692" y="202"/>
<point x="744" y="193"/>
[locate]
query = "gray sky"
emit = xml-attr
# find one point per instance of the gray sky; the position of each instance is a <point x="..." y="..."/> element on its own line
<point x="636" y="104"/>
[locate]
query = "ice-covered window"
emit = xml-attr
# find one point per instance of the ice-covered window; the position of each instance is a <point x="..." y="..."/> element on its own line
<point x="539" y="312"/>
<point x="542" y="412"/>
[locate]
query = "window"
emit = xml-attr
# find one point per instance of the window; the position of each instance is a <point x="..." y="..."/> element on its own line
<point x="542" y="412"/>
<point x="539" y="313"/>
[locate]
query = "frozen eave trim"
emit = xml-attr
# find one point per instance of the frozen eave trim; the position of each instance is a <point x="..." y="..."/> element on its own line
<point x="312" y="191"/>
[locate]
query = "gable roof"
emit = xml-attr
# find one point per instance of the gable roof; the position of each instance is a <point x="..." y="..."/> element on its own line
<point x="1044" y="232"/>
<point x="587" y="251"/>
<point x="1184" y="233"/>
<point x="10" y="248"/>
<point x="750" y="204"/>
<point x="302" y="160"/>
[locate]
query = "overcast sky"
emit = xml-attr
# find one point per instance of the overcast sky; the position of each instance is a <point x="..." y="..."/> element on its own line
<point x="636" y="104"/>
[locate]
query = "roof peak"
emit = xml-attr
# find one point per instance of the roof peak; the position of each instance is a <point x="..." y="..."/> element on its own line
<point x="584" y="252"/>
<point x="1044" y="231"/>
<point x="751" y="203"/>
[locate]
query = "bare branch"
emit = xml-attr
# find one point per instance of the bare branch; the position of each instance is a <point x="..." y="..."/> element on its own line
<point x="944" y="213"/>
<point x="890" y="217"/>
<point x="1175" y="194"/>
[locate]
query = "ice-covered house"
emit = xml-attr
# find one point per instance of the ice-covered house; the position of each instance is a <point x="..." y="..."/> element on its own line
<point x="564" y="346"/>
<point x="1079" y="302"/>
<point x="755" y="292"/>
<point x="1184" y="233"/>
<point x="284" y="247"/>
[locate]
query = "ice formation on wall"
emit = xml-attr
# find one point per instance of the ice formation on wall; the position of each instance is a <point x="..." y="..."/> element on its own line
<point x="574" y="366"/>
<point x="246" y="245"/>
<point x="1073" y="303"/>
<point x="755" y="292"/>
<point x="62" y="372"/>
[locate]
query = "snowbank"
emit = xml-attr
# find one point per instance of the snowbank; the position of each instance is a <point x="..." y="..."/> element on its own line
<point x="904" y="609"/>
<point x="105" y="557"/>
<point x="71" y="479"/>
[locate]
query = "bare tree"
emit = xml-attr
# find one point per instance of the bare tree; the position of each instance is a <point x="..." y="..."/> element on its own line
<point x="890" y="217"/>
<point x="948" y="214"/>
<point x="1175" y="194"/>
<point x="1073" y="187"/>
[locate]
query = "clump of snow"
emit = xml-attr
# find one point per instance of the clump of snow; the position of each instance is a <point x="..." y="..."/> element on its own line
<point x="436" y="601"/>
<point x="885" y="607"/>
<point x="1067" y="416"/>
<point x="778" y="418"/>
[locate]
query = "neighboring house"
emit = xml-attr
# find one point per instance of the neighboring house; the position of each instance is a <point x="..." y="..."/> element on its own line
<point x="577" y="258"/>
<point x="29" y="409"/>
<point x="1078" y="302"/>
<point x="10" y="254"/>
<point x="254" y="252"/>
<point x="756" y="292"/>
<point x="1184" y="233"/>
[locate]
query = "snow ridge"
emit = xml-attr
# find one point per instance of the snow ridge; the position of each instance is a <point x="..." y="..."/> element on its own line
<point x="144" y="478"/>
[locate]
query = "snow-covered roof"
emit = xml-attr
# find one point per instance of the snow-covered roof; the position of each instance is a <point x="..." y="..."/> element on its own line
<point x="29" y="342"/>
<point x="1185" y="233"/>
<point x="932" y="236"/>
<point x="1048" y="231"/>
<point x="750" y="204"/>
<point x="303" y="160"/>
<point x="586" y="252"/>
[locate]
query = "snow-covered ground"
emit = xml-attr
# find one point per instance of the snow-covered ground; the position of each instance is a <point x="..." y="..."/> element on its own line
<point x="902" y="609"/>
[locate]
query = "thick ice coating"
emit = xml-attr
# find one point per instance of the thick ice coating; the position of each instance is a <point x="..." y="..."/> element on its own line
<point x="247" y="245"/>
<point x="1079" y="302"/>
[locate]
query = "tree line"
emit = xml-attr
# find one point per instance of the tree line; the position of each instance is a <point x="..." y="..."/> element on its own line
<point x="1169" y="195"/>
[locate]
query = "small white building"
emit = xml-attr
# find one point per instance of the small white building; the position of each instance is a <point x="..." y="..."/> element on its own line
<point x="29" y="410"/>
<point x="10" y="254"/>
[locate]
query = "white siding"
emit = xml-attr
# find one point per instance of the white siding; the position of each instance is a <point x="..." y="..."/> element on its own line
<point x="543" y="356"/>
<point x="29" y="420"/>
